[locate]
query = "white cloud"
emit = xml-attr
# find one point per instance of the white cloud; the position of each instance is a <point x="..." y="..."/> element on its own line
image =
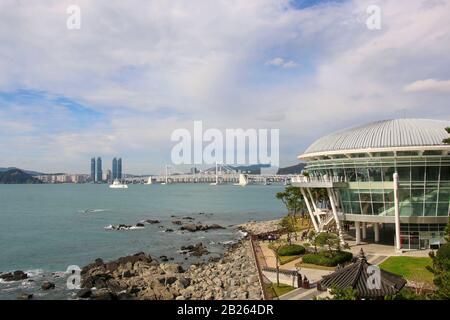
<point x="280" y="62"/>
<point x="210" y="60"/>
<point x="428" y="85"/>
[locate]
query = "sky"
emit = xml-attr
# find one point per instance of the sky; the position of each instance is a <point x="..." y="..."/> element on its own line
<point x="136" y="71"/>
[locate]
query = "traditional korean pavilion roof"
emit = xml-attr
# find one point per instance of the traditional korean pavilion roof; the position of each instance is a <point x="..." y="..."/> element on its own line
<point x="356" y="276"/>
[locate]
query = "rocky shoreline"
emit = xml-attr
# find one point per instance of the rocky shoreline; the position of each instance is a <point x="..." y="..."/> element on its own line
<point x="140" y="276"/>
<point x="257" y="227"/>
<point x="233" y="276"/>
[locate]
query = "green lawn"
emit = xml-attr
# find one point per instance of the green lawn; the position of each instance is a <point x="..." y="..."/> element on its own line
<point x="413" y="269"/>
<point x="281" y="289"/>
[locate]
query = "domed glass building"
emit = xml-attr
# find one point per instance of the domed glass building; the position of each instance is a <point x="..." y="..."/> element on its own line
<point x="392" y="174"/>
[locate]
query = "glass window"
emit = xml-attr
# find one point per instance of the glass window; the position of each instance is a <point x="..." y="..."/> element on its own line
<point x="431" y="195"/>
<point x="362" y="174"/>
<point x="347" y="207"/>
<point x="378" y="208"/>
<point x="354" y="196"/>
<point x="432" y="174"/>
<point x="417" y="193"/>
<point x="356" y="208"/>
<point x="350" y="173"/>
<point x="375" y="174"/>
<point x="344" y="194"/>
<point x="377" y="196"/>
<point x="366" y="208"/>
<point x="405" y="209"/>
<point x="442" y="209"/>
<point x="417" y="208"/>
<point x="444" y="195"/>
<point x="430" y="209"/>
<point x="388" y="173"/>
<point x="404" y="174"/>
<point x="389" y="196"/>
<point x="365" y="195"/>
<point x="390" y="210"/>
<point x="418" y="174"/>
<point x="445" y="173"/>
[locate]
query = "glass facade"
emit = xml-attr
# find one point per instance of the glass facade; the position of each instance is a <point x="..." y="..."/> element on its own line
<point x="424" y="183"/>
<point x="421" y="236"/>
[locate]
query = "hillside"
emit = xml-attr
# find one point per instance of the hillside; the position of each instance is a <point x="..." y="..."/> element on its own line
<point x="296" y="169"/>
<point x="17" y="176"/>
<point x="33" y="173"/>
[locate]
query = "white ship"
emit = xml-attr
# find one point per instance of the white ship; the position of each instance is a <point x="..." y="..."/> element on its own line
<point x="118" y="185"/>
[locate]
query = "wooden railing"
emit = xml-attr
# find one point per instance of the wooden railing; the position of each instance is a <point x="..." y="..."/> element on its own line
<point x="260" y="262"/>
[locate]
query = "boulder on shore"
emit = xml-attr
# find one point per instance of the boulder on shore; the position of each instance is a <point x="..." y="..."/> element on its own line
<point x="195" y="250"/>
<point x="192" y="227"/>
<point x="47" y="285"/>
<point x="14" y="276"/>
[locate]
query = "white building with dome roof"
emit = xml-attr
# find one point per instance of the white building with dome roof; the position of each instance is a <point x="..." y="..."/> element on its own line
<point x="392" y="175"/>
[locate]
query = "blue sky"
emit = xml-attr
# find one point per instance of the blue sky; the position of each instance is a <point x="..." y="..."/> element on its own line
<point x="138" y="70"/>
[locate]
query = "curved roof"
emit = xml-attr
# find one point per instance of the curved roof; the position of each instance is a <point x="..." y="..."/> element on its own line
<point x="382" y="134"/>
<point x="357" y="277"/>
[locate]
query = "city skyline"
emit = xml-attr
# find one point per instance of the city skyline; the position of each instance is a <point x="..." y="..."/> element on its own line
<point x="138" y="71"/>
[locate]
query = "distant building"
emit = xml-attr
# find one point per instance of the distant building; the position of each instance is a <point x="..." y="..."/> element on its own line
<point x="114" y="168"/>
<point x="92" y="177"/>
<point x="99" y="170"/>
<point x="119" y="168"/>
<point x="107" y="175"/>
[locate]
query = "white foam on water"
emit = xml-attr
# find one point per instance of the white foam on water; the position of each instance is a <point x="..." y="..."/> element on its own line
<point x="34" y="273"/>
<point x="136" y="228"/>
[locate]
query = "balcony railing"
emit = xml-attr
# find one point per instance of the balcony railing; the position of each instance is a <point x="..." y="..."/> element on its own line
<point x="325" y="178"/>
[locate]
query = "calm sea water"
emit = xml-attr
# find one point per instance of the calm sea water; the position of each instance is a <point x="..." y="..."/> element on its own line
<point x="46" y="228"/>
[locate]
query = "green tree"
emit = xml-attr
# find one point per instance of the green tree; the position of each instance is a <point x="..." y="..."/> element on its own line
<point x="447" y="140"/>
<point x="327" y="239"/>
<point x="276" y="246"/>
<point x="344" y="294"/>
<point x="292" y="199"/>
<point x="289" y="223"/>
<point x="441" y="269"/>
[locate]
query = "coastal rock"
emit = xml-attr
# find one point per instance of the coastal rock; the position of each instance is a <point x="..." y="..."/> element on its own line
<point x="84" y="293"/>
<point x="177" y="222"/>
<point x="139" y="277"/>
<point x="191" y="227"/>
<point x="14" y="276"/>
<point x="47" y="285"/>
<point x="195" y="250"/>
<point x="25" y="296"/>
<point x="150" y="221"/>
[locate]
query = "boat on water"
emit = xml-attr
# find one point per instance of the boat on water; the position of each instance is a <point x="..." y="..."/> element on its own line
<point x="118" y="185"/>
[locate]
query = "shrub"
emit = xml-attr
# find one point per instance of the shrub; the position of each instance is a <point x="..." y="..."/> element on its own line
<point x="325" y="259"/>
<point x="291" y="250"/>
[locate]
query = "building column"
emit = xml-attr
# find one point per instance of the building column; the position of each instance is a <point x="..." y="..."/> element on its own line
<point x="397" y="213"/>
<point x="312" y="200"/>
<point x="376" y="232"/>
<point x="311" y="215"/>
<point x="364" y="230"/>
<point x="336" y="218"/>
<point x="358" y="232"/>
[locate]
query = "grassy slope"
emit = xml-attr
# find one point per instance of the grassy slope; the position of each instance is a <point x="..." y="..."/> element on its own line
<point x="413" y="269"/>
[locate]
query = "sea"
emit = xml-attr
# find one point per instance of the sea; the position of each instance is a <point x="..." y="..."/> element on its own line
<point x="47" y="229"/>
